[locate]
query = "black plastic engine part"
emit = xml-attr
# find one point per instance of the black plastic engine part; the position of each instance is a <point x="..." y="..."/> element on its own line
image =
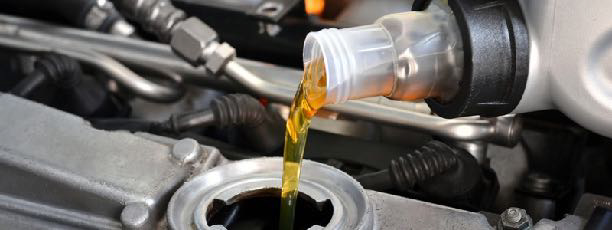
<point x="540" y="194"/>
<point x="496" y="59"/>
<point x="74" y="12"/>
<point x="59" y="70"/>
<point x="554" y="147"/>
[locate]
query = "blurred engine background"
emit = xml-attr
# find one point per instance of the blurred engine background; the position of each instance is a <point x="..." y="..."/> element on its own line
<point x="77" y="57"/>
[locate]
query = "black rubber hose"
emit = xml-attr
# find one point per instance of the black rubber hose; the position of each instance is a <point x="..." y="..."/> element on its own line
<point x="424" y="163"/>
<point x="260" y="129"/>
<point x="238" y="109"/>
<point x="59" y="70"/>
<point x="185" y="121"/>
<point x="378" y="181"/>
<point x="435" y="169"/>
<point x="29" y="84"/>
<point x="58" y="81"/>
<point x="226" y="111"/>
<point x="64" y="71"/>
<point x="428" y="161"/>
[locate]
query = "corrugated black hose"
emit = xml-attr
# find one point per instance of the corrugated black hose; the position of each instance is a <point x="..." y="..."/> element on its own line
<point x="406" y="171"/>
<point x="58" y="81"/>
<point x="57" y="69"/>
<point x="435" y="168"/>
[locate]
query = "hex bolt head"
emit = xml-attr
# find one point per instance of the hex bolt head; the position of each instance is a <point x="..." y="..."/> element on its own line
<point x="135" y="216"/>
<point x="186" y="151"/>
<point x="190" y="38"/>
<point x="513" y="215"/>
<point x="514" y="219"/>
<point x="221" y="55"/>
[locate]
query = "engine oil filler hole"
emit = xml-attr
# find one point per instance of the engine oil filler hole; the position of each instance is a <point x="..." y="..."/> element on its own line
<point x="259" y="210"/>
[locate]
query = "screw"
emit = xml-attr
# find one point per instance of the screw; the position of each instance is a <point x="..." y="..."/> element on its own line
<point x="135" y="215"/>
<point x="514" y="219"/>
<point x="513" y="215"/>
<point x="186" y="150"/>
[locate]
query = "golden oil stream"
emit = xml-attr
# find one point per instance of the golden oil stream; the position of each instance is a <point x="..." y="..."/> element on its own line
<point x="308" y="99"/>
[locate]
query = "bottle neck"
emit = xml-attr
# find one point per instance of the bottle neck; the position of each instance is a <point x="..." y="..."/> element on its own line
<point x="359" y="62"/>
<point x="429" y="61"/>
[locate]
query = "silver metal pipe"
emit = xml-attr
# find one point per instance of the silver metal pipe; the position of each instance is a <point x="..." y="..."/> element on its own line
<point x="258" y="85"/>
<point x="276" y="83"/>
<point x="114" y="69"/>
<point x="501" y="131"/>
<point x="132" y="52"/>
<point x="477" y="149"/>
<point x="137" y="84"/>
<point x="155" y="16"/>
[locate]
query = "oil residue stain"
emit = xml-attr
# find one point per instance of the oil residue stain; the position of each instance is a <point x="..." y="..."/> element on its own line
<point x="308" y="99"/>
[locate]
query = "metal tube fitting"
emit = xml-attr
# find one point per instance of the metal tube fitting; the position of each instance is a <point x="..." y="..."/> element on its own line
<point x="114" y="69"/>
<point x="155" y="16"/>
<point x="190" y="38"/>
<point x="102" y="16"/>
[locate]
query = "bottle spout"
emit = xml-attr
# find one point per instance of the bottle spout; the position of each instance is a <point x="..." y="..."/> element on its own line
<point x="359" y="62"/>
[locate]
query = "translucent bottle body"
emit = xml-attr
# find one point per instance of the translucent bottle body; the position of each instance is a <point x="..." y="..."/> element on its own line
<point x="404" y="56"/>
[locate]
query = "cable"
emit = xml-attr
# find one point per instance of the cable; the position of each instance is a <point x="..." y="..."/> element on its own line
<point x="261" y="130"/>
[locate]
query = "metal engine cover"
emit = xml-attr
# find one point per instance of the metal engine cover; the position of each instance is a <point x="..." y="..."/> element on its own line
<point x="56" y="171"/>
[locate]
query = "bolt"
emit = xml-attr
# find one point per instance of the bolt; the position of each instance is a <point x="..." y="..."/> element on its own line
<point x="186" y="150"/>
<point x="190" y="38"/>
<point x="135" y="215"/>
<point x="513" y="215"/>
<point x="514" y="219"/>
